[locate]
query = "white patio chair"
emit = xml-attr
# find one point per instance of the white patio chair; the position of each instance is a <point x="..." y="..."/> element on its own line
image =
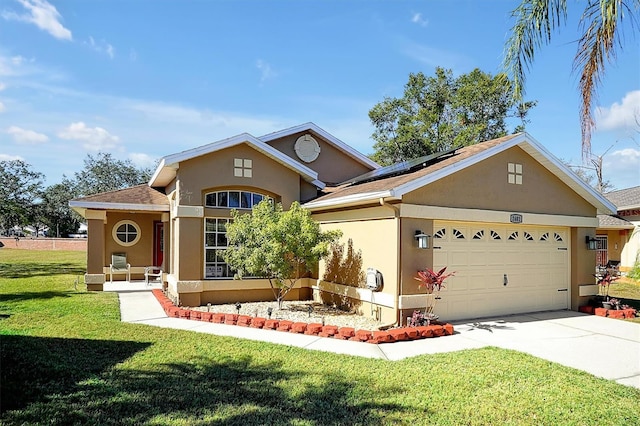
<point x="119" y="265"/>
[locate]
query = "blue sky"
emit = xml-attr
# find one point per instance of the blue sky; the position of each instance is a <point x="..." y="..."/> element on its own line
<point x="144" y="79"/>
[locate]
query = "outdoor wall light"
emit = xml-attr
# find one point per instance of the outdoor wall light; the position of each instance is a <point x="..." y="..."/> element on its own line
<point x="269" y="312"/>
<point x="238" y="306"/>
<point x="591" y="243"/>
<point x="422" y="239"/>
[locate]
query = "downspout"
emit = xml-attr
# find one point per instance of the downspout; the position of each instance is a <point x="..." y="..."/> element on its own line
<point x="396" y="215"/>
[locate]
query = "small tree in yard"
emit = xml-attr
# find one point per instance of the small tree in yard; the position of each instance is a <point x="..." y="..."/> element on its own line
<point x="281" y="246"/>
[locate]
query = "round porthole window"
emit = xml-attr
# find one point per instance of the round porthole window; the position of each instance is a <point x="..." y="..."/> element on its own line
<point x="307" y="148"/>
<point x="126" y="233"/>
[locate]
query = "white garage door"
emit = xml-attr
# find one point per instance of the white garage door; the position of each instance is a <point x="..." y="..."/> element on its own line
<point x="533" y="262"/>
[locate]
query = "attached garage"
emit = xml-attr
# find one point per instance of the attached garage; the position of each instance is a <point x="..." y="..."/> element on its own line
<point x="505" y="215"/>
<point x="501" y="269"/>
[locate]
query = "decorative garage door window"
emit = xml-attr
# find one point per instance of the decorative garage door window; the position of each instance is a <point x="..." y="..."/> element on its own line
<point x="233" y="199"/>
<point x="126" y="233"/>
<point x="215" y="239"/>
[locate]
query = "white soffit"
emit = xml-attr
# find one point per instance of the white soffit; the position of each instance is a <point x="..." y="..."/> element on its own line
<point x="351" y="152"/>
<point x="169" y="165"/>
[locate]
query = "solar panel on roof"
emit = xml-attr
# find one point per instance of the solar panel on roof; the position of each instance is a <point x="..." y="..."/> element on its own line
<point x="401" y="167"/>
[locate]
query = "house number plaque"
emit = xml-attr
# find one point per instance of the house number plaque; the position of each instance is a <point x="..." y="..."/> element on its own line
<point x="516" y="218"/>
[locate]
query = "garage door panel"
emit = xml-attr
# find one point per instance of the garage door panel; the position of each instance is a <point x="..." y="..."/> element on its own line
<point x="528" y="255"/>
<point x="477" y="258"/>
<point x="458" y="258"/>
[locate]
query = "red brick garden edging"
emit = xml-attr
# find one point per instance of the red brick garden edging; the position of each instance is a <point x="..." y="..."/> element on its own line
<point x="315" y="329"/>
<point x="611" y="313"/>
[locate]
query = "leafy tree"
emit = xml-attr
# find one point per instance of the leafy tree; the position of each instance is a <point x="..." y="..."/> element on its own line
<point x="60" y="219"/>
<point x="104" y="173"/>
<point x="20" y="190"/>
<point x="601" y="23"/>
<point x="592" y="177"/>
<point x="441" y="112"/>
<point x="282" y="246"/>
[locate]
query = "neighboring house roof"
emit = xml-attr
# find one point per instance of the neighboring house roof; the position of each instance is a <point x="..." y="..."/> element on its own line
<point x="359" y="157"/>
<point x="625" y="199"/>
<point x="613" y="222"/>
<point x="394" y="187"/>
<point x="139" y="198"/>
<point x="169" y="165"/>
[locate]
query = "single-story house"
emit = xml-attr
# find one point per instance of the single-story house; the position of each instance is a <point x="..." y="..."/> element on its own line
<point x="618" y="236"/>
<point x="505" y="215"/>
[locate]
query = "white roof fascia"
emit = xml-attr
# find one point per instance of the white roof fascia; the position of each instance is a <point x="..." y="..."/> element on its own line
<point x="540" y="153"/>
<point x="348" y="200"/>
<point x="629" y="207"/>
<point x="156" y="174"/>
<point x="117" y="206"/>
<point x="173" y="161"/>
<point x="356" y="155"/>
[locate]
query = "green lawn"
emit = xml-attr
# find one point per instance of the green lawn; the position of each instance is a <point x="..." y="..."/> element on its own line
<point x="66" y="358"/>
<point x="628" y="291"/>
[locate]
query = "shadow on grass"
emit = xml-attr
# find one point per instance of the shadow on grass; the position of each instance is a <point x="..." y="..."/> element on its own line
<point x="34" y="295"/>
<point x="34" y="269"/>
<point x="35" y="368"/>
<point x="221" y="392"/>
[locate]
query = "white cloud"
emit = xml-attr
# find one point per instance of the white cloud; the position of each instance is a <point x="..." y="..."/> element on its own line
<point x="7" y="157"/>
<point x="224" y="123"/>
<point x="95" y="139"/>
<point x="267" y="73"/>
<point x="43" y="15"/>
<point x="620" y="115"/>
<point x="142" y="160"/>
<point x="417" y="18"/>
<point x="432" y="56"/>
<point x="101" y="47"/>
<point x="622" y="167"/>
<point x="26" y="136"/>
<point x="9" y="66"/>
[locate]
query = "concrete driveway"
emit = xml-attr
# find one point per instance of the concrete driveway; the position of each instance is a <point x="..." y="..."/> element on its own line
<point x="604" y="347"/>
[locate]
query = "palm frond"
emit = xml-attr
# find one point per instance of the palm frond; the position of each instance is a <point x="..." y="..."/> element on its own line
<point x="535" y="22"/>
<point x="601" y="35"/>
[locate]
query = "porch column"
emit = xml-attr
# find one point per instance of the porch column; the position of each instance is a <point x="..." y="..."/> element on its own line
<point x="95" y="276"/>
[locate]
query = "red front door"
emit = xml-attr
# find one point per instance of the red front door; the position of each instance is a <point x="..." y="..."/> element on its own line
<point x="158" y="244"/>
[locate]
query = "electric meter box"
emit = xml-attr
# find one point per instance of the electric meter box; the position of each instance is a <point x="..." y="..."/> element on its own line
<point x="374" y="279"/>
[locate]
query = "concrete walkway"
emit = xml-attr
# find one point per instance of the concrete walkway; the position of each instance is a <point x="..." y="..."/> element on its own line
<point x="604" y="347"/>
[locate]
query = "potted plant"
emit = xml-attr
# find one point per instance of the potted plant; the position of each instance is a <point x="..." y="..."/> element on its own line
<point x="432" y="282"/>
<point x="604" y="280"/>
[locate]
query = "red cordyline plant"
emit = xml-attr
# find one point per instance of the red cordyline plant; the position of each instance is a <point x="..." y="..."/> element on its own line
<point x="432" y="282"/>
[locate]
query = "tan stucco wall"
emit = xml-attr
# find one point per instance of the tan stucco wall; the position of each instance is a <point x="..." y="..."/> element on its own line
<point x="189" y="253"/>
<point x="583" y="263"/>
<point x="95" y="246"/>
<point x="413" y="258"/>
<point x="615" y="242"/>
<point x="332" y="165"/>
<point x="216" y="171"/>
<point x="201" y="292"/>
<point x="485" y="186"/>
<point x="377" y="238"/>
